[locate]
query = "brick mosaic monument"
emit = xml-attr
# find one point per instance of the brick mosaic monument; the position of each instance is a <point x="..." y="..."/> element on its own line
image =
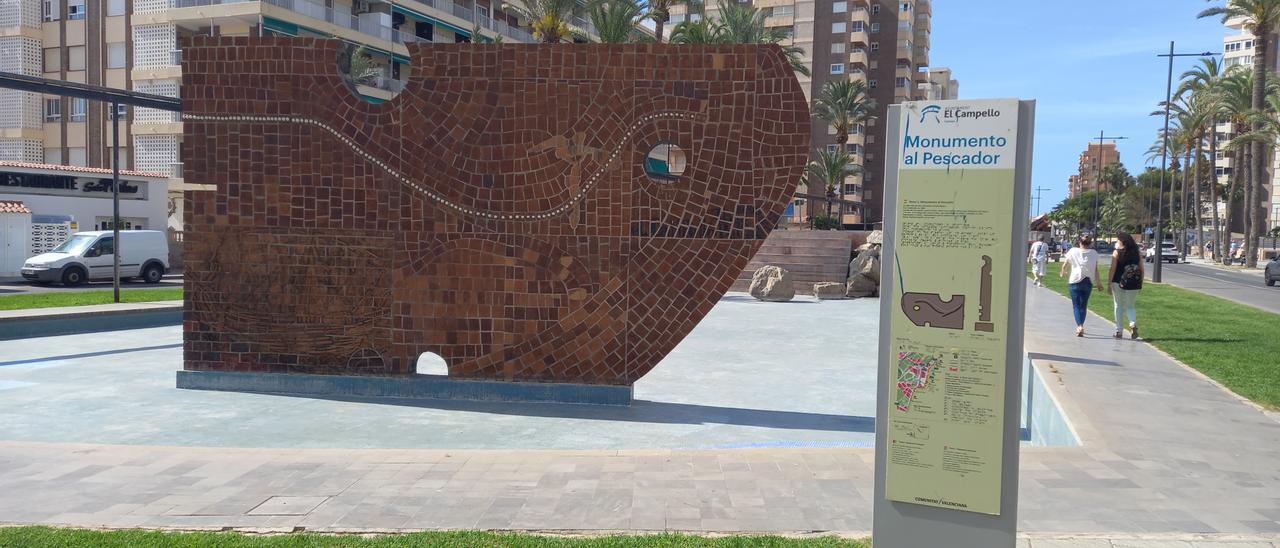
<point x="543" y="213"/>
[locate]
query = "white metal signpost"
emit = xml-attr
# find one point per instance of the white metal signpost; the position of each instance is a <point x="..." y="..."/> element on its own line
<point x="957" y="186"/>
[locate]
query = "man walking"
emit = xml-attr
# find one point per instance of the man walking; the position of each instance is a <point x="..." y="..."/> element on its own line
<point x="1038" y="257"/>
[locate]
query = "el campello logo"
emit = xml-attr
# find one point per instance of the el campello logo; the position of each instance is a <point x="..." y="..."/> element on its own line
<point x="931" y="109"/>
<point x="953" y="115"/>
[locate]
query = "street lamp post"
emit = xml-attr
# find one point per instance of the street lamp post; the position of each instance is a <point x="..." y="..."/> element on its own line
<point x="1164" y="159"/>
<point x="1097" y="183"/>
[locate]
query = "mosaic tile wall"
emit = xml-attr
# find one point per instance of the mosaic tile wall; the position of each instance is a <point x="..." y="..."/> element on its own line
<point x="497" y="212"/>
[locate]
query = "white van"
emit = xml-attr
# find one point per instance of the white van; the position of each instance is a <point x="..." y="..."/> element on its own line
<point x="89" y="256"/>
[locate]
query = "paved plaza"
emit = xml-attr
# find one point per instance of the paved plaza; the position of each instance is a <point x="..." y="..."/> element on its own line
<point x="753" y="374"/>
<point x="1167" y="457"/>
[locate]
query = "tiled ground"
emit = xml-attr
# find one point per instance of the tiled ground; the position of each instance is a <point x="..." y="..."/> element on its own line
<point x="1168" y="459"/>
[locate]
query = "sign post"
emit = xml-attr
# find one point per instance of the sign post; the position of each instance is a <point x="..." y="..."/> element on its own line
<point x="957" y="186"/>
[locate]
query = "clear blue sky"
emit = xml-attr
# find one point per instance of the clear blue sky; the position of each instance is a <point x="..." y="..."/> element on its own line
<point x="1090" y="64"/>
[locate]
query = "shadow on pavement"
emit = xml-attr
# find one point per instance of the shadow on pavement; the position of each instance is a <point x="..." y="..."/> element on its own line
<point x="645" y="411"/>
<point x="91" y="354"/>
<point x="1070" y="359"/>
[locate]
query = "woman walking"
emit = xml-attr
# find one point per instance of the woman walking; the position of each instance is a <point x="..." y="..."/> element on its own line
<point x="1126" y="281"/>
<point x="1083" y="261"/>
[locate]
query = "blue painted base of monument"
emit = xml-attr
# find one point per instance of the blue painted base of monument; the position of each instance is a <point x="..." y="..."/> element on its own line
<point x="416" y="387"/>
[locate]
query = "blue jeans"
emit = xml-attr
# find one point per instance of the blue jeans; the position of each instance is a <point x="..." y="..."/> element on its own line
<point x="1080" y="292"/>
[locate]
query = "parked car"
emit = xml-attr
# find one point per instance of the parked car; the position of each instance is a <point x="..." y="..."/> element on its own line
<point x="1168" y="253"/>
<point x="90" y="256"/>
<point x="1103" y="247"/>
<point x="1272" y="273"/>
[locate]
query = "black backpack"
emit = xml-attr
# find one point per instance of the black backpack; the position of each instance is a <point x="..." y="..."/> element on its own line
<point x="1131" y="277"/>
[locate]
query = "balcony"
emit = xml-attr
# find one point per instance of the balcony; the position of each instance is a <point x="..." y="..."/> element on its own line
<point x="858" y="58"/>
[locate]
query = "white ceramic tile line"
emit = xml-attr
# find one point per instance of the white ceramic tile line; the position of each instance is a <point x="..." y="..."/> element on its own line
<point x="562" y="208"/>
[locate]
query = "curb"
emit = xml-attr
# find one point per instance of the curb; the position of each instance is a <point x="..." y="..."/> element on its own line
<point x="48" y="322"/>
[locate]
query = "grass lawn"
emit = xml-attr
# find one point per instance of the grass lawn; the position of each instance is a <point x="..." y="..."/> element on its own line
<point x="47" y="536"/>
<point x="78" y="298"/>
<point x="1235" y="344"/>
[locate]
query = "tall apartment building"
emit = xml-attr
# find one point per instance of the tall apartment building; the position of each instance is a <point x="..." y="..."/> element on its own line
<point x="83" y="41"/>
<point x="134" y="44"/>
<point x="942" y="86"/>
<point x="882" y="42"/>
<point x="1094" y="158"/>
<point x="1238" y="50"/>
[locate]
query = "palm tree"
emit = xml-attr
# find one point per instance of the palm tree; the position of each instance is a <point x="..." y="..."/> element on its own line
<point x="844" y="104"/>
<point x="1204" y="83"/>
<point x="738" y="24"/>
<point x="744" y="24"/>
<point x="616" y="21"/>
<point x="702" y="31"/>
<point x="1261" y="17"/>
<point x="659" y="11"/>
<point x="830" y="167"/>
<point x="549" y="18"/>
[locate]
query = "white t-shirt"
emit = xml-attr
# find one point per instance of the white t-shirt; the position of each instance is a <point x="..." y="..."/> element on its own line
<point x="1039" y="251"/>
<point x="1083" y="264"/>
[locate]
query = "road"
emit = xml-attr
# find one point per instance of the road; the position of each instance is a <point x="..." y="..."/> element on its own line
<point x="10" y="286"/>
<point x="1239" y="286"/>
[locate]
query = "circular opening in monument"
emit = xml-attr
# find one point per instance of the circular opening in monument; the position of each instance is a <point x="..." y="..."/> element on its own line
<point x="430" y="363"/>
<point x="665" y="162"/>
<point x="373" y="75"/>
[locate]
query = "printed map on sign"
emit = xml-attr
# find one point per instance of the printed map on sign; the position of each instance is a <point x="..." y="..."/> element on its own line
<point x="915" y="372"/>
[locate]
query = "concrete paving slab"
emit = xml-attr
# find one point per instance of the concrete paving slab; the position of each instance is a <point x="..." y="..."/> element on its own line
<point x="1164" y="451"/>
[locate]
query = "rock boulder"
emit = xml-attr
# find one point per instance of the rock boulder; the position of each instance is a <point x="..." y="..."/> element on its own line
<point x="829" y="291"/>
<point x="772" y="283"/>
<point x="864" y="274"/>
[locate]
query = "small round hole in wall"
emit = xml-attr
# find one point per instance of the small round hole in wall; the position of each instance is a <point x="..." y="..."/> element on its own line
<point x="430" y="363"/>
<point x="373" y="75"/>
<point x="665" y="162"/>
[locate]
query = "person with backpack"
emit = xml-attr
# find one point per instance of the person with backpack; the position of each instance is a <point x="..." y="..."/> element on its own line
<point x="1126" y="281"/>
<point x="1083" y="263"/>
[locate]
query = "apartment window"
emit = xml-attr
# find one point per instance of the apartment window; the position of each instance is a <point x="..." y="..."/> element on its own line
<point x="851" y="189"/>
<point x="75" y="58"/>
<point x="875" y="9"/>
<point x="838" y="27"/>
<point x="52" y="110"/>
<point x="873" y="64"/>
<point x="115" y="7"/>
<point x="75" y="9"/>
<point x="122" y="111"/>
<point x="857" y="129"/>
<point x="853" y="148"/>
<point x="76" y="157"/>
<point x="782" y="10"/>
<point x="837" y="68"/>
<point x="906" y="7"/>
<point x="77" y="111"/>
<point x="872" y="84"/>
<point x="52" y="59"/>
<point x="837" y="47"/>
<point x="871" y="139"/>
<point x="839" y="7"/>
<point x="53" y="156"/>
<point x="875" y="46"/>
<point x="833" y="148"/>
<point x="51" y="8"/>
<point x="858" y="26"/>
<point x="875" y="27"/>
<point x="116" y="54"/>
